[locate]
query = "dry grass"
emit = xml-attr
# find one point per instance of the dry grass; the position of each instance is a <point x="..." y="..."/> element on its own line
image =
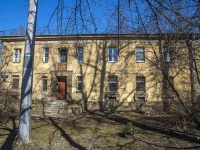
<point x="102" y="132"/>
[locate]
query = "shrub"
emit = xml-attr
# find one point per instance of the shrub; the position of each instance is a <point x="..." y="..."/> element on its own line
<point x="129" y="129"/>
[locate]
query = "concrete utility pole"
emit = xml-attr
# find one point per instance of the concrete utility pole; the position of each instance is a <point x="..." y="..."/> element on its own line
<point x="26" y="91"/>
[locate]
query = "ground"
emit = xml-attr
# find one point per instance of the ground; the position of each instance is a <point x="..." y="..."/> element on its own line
<point x="99" y="131"/>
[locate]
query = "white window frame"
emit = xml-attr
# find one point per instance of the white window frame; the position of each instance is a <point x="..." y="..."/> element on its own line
<point x="17" y="55"/>
<point x="79" y="82"/>
<point x="46" y="55"/>
<point x="111" y="51"/>
<point x="14" y="79"/>
<point x="44" y="84"/>
<point x="80" y="53"/>
<point x="139" y="50"/>
<point x="111" y="82"/>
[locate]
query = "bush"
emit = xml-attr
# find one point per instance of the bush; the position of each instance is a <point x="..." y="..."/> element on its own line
<point x="129" y="129"/>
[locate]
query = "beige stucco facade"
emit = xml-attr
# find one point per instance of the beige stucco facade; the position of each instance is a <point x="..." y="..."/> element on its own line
<point x="95" y="68"/>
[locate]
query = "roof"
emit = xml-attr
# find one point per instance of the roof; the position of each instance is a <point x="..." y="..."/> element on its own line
<point x="102" y="37"/>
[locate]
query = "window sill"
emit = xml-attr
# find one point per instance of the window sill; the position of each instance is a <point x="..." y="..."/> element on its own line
<point x="112" y="61"/>
<point x="140" y="92"/>
<point x="139" y="61"/>
<point x="78" y="91"/>
<point x="16" y="90"/>
<point x="112" y="91"/>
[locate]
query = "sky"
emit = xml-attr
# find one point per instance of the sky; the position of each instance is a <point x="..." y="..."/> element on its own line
<point x="13" y="13"/>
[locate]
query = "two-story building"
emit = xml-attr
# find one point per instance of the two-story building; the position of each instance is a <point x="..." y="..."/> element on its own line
<point x="101" y="72"/>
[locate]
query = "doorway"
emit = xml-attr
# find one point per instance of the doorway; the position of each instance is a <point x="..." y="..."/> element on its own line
<point x="62" y="89"/>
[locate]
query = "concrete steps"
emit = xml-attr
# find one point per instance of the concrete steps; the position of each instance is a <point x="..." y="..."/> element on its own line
<point x="62" y="108"/>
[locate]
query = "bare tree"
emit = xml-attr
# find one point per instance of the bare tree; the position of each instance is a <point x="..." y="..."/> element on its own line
<point x="175" y="22"/>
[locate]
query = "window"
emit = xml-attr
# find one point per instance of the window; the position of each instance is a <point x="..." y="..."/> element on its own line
<point x="139" y="54"/>
<point x="140" y="84"/>
<point x="0" y="57"/>
<point x="167" y="56"/>
<point x="63" y="55"/>
<point x="79" y="84"/>
<point x="112" y="54"/>
<point x="17" y="55"/>
<point x="46" y="55"/>
<point x="112" y="84"/>
<point x="44" y="84"/>
<point x="0" y="53"/>
<point x="80" y="54"/>
<point x="15" y="82"/>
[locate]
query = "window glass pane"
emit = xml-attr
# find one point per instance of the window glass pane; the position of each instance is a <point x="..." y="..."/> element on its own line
<point x="112" y="83"/>
<point x="79" y="86"/>
<point x="167" y="56"/>
<point x="80" y="57"/>
<point x="0" y="59"/>
<point x="80" y="54"/>
<point x="46" y="55"/>
<point x="79" y="83"/>
<point x="80" y="50"/>
<point x="15" y="82"/>
<point x="140" y="54"/>
<point x="112" y="79"/>
<point x="16" y="55"/>
<point x="79" y="78"/>
<point x="112" y="54"/>
<point x="140" y="84"/>
<point x="115" y="54"/>
<point x="44" y="84"/>
<point x="112" y="87"/>
<point x="63" y="56"/>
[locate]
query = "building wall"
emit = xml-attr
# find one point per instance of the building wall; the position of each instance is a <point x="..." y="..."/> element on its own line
<point x="95" y="69"/>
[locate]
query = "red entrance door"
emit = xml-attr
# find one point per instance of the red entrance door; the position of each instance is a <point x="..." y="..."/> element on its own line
<point x="61" y="89"/>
